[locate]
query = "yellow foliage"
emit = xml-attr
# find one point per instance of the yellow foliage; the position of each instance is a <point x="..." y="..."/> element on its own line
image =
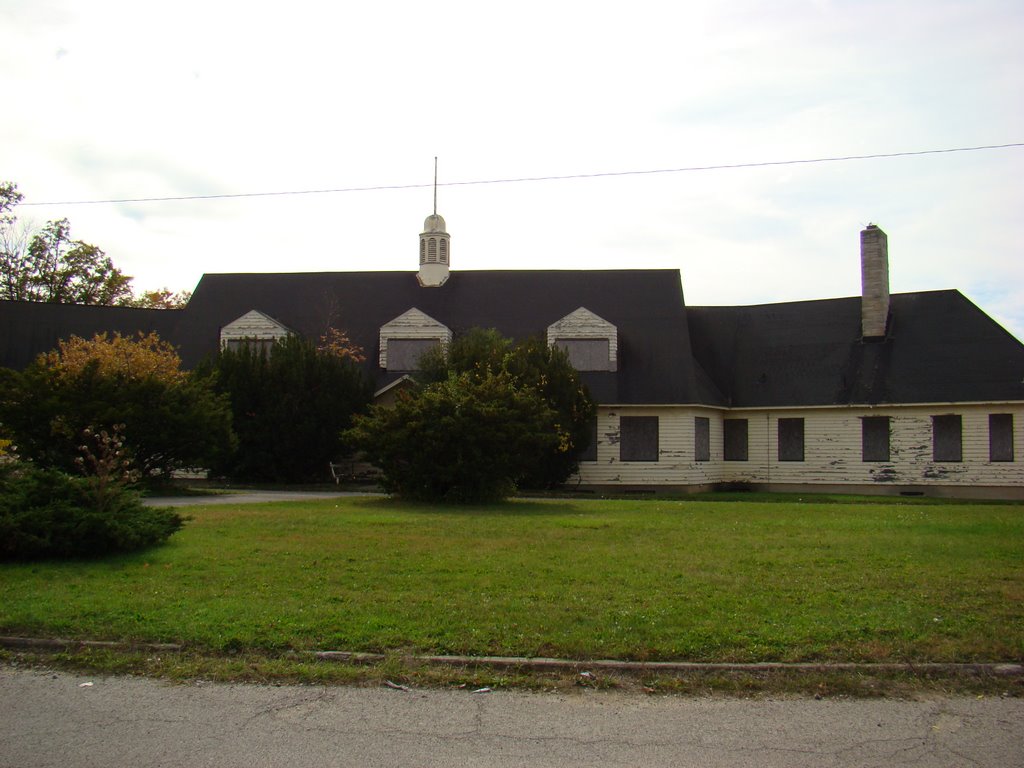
<point x="4" y="445"/>
<point x="337" y="342"/>
<point x="145" y="356"/>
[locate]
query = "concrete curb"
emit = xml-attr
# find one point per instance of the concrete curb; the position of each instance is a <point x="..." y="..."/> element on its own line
<point x="60" y="644"/>
<point x="1000" y="669"/>
<point x="997" y="669"/>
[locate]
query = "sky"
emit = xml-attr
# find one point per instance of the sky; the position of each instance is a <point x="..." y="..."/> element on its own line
<point x="112" y="100"/>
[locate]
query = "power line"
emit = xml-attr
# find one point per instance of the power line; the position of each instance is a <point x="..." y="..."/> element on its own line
<point x="598" y="175"/>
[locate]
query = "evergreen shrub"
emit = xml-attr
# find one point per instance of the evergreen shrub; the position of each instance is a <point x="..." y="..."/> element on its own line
<point x="48" y="514"/>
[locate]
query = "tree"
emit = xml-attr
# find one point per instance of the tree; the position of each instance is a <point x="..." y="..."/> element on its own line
<point x="161" y="298"/>
<point x="530" y="364"/>
<point x="468" y="439"/>
<point x="290" y="407"/>
<point x="50" y="265"/>
<point x="171" y="420"/>
<point x="145" y="356"/>
<point x="67" y="271"/>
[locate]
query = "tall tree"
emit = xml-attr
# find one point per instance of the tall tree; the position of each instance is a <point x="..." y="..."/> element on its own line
<point x="62" y="270"/>
<point x="50" y="265"/>
<point x="170" y="419"/>
<point x="290" y="407"/>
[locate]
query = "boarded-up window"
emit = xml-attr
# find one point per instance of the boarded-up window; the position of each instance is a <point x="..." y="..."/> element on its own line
<point x="256" y="346"/>
<point x="1000" y="437"/>
<point x="587" y="354"/>
<point x="701" y="438"/>
<point x="791" y="439"/>
<point x="735" y="439"/>
<point x="638" y="438"/>
<point x="874" y="438"/>
<point x="590" y="452"/>
<point x="404" y="354"/>
<point x="947" y="438"/>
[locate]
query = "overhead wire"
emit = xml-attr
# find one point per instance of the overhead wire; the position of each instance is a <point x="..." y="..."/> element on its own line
<point x="526" y="179"/>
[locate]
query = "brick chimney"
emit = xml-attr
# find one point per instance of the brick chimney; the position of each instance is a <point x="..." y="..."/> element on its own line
<point x="874" y="280"/>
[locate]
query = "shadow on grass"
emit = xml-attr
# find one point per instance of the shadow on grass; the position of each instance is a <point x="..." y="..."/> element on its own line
<point x="510" y="508"/>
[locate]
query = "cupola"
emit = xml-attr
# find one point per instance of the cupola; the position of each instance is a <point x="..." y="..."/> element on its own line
<point x="435" y="247"/>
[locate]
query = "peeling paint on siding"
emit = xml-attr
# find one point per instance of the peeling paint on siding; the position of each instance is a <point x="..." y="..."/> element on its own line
<point x="833" y="444"/>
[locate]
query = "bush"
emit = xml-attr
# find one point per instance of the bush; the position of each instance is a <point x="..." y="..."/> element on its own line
<point x="170" y="419"/>
<point x="529" y="364"/>
<point x="290" y="407"/>
<point x="48" y="514"/>
<point x="468" y="439"/>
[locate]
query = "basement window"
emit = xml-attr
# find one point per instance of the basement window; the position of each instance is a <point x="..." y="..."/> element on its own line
<point x="947" y="438"/>
<point x="1000" y="437"/>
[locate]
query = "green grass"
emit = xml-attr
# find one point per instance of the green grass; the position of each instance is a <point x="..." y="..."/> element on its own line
<point x="633" y="579"/>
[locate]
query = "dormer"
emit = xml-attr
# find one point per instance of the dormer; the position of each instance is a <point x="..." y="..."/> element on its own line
<point x="254" y="330"/>
<point x="591" y="342"/>
<point x="404" y="339"/>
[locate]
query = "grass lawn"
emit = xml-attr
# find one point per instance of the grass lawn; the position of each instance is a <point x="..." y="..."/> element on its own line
<point x="649" y="579"/>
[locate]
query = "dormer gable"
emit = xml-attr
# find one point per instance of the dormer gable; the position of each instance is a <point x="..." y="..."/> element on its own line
<point x="591" y="342"/>
<point x="253" y="329"/>
<point x="404" y="339"/>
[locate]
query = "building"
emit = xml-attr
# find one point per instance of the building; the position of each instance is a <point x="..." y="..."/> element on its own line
<point x="908" y="393"/>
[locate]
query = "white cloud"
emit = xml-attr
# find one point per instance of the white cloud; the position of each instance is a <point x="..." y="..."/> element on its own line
<point x="120" y="99"/>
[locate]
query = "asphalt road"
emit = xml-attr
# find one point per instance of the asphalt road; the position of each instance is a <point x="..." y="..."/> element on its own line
<point x="57" y="719"/>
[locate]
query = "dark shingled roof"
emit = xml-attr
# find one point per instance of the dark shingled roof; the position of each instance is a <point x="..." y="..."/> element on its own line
<point x="28" y="328"/>
<point x="655" y="365"/>
<point x="940" y="348"/>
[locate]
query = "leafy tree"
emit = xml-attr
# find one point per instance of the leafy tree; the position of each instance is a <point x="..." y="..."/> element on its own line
<point x="50" y="265"/>
<point x="290" y="408"/>
<point x="546" y="368"/>
<point x="468" y="439"/>
<point x="336" y="342"/>
<point x="145" y="356"/>
<point x="161" y="298"/>
<point x="530" y="364"/>
<point x="170" y="420"/>
<point x="477" y="351"/>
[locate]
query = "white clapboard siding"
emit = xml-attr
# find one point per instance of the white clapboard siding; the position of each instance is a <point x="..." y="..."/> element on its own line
<point x="832" y="448"/>
<point x="253" y="325"/>
<point x="584" y="324"/>
<point x="412" y="324"/>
